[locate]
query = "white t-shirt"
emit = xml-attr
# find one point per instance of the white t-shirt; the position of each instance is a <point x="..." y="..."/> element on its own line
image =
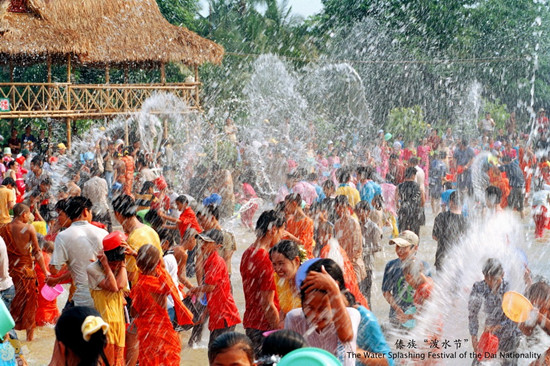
<point x="327" y="339"/>
<point x="172" y="268"/>
<point x="5" y="279"/>
<point x="77" y="246"/>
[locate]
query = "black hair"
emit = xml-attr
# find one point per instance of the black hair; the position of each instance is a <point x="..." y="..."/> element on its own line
<point x="328" y="184"/>
<point x="115" y="255"/>
<point x="492" y="268"/>
<point x="410" y="172"/>
<point x="288" y="248"/>
<point x="212" y="210"/>
<point x="230" y="340"/>
<point x="332" y="268"/>
<point x="448" y="185"/>
<point x="282" y="342"/>
<point x="182" y="199"/>
<point x="61" y="205"/>
<point x="301" y="173"/>
<point x="341" y="200"/>
<point x="125" y="206"/>
<point x="68" y="331"/>
<point x="343" y="175"/>
<point x="294" y="197"/>
<point x="311" y="177"/>
<point x="38" y="160"/>
<point x="153" y="218"/>
<point x="76" y="205"/>
<point x="414" y="161"/>
<point x="362" y="206"/>
<point x="350" y="298"/>
<point x="493" y="194"/>
<point x="11" y="163"/>
<point x="8" y="181"/>
<point x="146" y="186"/>
<point x="442" y="154"/>
<point x="454" y="198"/>
<point x="267" y="220"/>
<point x="538" y="292"/>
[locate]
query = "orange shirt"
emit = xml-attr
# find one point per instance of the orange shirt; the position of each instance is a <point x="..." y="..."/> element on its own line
<point x="423" y="292"/>
<point x="303" y="230"/>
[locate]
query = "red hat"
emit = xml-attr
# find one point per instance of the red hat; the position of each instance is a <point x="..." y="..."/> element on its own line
<point x="113" y="240"/>
<point x="20" y="160"/>
<point x="160" y="183"/>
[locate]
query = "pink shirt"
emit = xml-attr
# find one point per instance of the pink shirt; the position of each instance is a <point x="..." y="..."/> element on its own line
<point x="307" y="191"/>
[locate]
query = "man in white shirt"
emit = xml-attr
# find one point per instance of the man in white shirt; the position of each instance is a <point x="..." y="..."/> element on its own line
<point x="7" y="290"/>
<point x="76" y="247"/>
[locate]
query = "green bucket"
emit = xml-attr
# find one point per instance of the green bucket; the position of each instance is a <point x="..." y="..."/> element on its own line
<point x="6" y="321"/>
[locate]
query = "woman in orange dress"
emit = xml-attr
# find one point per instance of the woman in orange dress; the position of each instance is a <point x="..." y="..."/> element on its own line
<point x="298" y="224"/>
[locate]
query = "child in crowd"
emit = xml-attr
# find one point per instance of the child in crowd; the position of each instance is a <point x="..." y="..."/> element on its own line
<point x="47" y="312"/>
<point x="231" y="349"/>
<point x="223" y="312"/>
<point x="324" y="320"/>
<point x="372" y="234"/>
<point x="279" y="343"/>
<point x="159" y="343"/>
<point x="108" y="281"/>
<point x="298" y="224"/>
<point x="539" y="295"/>
<point x="285" y="257"/>
<point x="80" y="337"/>
<point x="413" y="271"/>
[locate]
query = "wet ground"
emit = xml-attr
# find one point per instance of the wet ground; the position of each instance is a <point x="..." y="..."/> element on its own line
<point x="38" y="352"/>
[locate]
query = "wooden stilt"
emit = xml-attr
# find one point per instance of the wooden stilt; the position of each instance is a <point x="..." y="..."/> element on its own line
<point x="107" y="74"/>
<point x="69" y="68"/>
<point x="68" y="125"/>
<point x="49" y="68"/>
<point x="162" y="73"/>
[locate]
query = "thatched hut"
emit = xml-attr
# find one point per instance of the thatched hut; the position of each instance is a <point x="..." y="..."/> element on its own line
<point x="99" y="33"/>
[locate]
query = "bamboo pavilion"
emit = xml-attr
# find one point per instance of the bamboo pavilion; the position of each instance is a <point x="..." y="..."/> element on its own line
<point x="106" y="34"/>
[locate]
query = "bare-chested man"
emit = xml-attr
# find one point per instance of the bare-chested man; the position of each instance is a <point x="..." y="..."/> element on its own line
<point x="22" y="246"/>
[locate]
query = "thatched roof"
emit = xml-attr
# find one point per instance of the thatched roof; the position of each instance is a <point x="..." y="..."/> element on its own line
<point x="99" y="32"/>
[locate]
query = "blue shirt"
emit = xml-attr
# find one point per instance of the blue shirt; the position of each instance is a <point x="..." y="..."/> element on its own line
<point x="320" y="194"/>
<point x="394" y="283"/>
<point x="369" y="190"/>
<point x="370" y="337"/>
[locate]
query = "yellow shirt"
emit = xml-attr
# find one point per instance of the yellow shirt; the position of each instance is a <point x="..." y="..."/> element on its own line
<point x="138" y="238"/>
<point x="6" y="195"/>
<point x="288" y="300"/>
<point x="351" y="193"/>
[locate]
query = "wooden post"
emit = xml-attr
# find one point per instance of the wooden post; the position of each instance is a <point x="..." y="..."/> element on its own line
<point x="69" y="68"/>
<point x="11" y="71"/>
<point x="126" y="78"/>
<point x="126" y="139"/>
<point x="165" y="129"/>
<point x="162" y="73"/>
<point x="107" y="74"/>
<point x="49" y="66"/>
<point x="68" y="125"/>
<point x="197" y="101"/>
<point x="50" y="122"/>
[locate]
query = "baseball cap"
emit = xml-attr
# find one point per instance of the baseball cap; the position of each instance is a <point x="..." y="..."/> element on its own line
<point x="212" y="235"/>
<point x="61" y="146"/>
<point x="405" y="239"/>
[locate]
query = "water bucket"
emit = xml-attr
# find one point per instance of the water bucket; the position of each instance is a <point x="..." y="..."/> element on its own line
<point x="309" y="356"/>
<point x="6" y="321"/>
<point x="516" y="306"/>
<point x="51" y="293"/>
<point x="487" y="346"/>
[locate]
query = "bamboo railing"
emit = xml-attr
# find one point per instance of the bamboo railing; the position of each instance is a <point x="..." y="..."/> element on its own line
<point x="66" y="100"/>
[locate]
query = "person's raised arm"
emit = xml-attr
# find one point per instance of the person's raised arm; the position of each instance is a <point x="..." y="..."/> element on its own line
<point x="110" y="282"/>
<point x="323" y="281"/>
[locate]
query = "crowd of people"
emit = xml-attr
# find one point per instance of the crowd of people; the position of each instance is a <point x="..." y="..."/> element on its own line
<point x="146" y="264"/>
